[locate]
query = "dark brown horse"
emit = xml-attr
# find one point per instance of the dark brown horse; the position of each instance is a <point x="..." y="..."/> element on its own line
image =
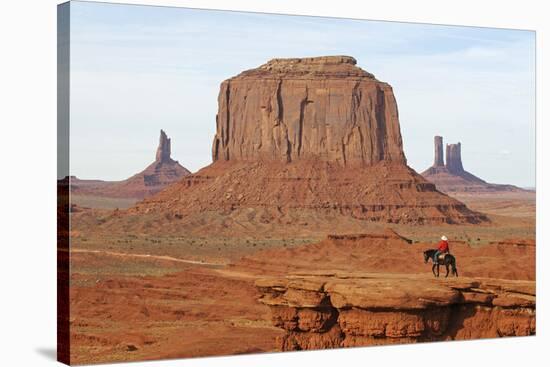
<point x="447" y="260"/>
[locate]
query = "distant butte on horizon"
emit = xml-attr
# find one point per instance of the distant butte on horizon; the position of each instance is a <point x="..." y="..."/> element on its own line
<point x="159" y="174"/>
<point x="450" y="176"/>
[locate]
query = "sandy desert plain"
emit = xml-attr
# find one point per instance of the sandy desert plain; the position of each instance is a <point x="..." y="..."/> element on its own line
<point x="306" y="232"/>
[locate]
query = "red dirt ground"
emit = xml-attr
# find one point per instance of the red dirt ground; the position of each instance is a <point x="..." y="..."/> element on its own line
<point x="139" y="307"/>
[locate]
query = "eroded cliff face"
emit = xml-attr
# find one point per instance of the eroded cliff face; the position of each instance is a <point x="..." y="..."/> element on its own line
<point x="328" y="310"/>
<point x="347" y="291"/>
<point x="322" y="108"/>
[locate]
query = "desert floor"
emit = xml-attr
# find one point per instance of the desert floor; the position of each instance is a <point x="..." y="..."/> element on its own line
<point x="138" y="297"/>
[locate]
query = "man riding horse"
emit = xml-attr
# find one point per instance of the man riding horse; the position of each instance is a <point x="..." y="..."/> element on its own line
<point x="447" y="259"/>
<point x="442" y="248"/>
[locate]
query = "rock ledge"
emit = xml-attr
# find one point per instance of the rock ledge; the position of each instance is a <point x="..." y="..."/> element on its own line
<point x="336" y="309"/>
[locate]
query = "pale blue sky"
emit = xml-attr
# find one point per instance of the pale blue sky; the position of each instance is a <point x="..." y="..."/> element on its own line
<point x="137" y="69"/>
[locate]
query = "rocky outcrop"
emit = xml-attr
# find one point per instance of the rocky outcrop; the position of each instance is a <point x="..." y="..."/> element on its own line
<point x="164" y="150"/>
<point x="355" y="290"/>
<point x="309" y="143"/>
<point x="438" y="154"/>
<point x="164" y="170"/>
<point x="321" y="108"/>
<point x="453" y="178"/>
<point x="155" y="177"/>
<point x="331" y="309"/>
<point x="454" y="158"/>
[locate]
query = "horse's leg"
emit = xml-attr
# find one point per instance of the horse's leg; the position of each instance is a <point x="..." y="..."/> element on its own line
<point x="438" y="270"/>
<point x="433" y="270"/>
<point x="447" y="268"/>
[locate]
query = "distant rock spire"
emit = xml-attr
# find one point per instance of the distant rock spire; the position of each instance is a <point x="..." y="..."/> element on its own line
<point x="452" y="177"/>
<point x="164" y="149"/>
<point x="438" y="145"/>
<point x="454" y="158"/>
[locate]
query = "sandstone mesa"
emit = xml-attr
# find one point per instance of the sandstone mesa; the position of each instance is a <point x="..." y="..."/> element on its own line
<point x="324" y="108"/>
<point x="312" y="137"/>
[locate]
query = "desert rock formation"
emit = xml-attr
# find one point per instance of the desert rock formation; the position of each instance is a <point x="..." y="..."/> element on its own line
<point x="323" y="108"/>
<point x="454" y="158"/>
<point x="314" y="138"/>
<point x="164" y="150"/>
<point x="452" y="177"/>
<point x="330" y="310"/>
<point x="319" y="302"/>
<point x="159" y="174"/>
<point x="438" y="153"/>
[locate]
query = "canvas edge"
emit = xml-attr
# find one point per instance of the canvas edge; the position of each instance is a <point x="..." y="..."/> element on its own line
<point x="63" y="183"/>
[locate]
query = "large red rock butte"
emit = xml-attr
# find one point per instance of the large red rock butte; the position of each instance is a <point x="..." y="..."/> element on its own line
<point x="452" y="177"/>
<point x="159" y="174"/>
<point x="321" y="108"/>
<point x="314" y="137"/>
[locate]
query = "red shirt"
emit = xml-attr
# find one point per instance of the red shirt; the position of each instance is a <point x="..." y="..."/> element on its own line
<point x="443" y="246"/>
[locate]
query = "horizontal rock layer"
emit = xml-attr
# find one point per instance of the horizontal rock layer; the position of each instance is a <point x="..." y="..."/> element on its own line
<point x="305" y="193"/>
<point x="323" y="108"/>
<point x="465" y="182"/>
<point x="328" y="310"/>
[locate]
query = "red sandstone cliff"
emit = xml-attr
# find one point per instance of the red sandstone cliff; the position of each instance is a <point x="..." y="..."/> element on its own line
<point x="347" y="291"/>
<point x="331" y="309"/>
<point x="323" y="108"/>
